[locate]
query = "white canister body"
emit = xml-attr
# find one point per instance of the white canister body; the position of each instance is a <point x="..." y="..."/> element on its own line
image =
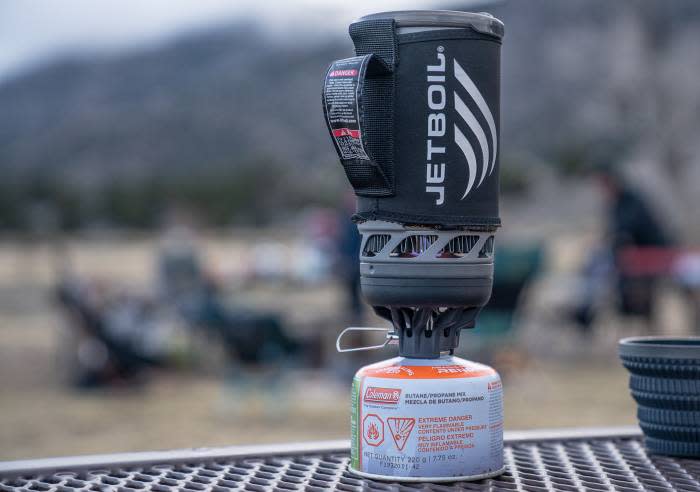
<point x="427" y="420"/>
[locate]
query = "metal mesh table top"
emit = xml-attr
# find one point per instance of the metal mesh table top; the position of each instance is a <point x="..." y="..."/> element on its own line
<point x="616" y="462"/>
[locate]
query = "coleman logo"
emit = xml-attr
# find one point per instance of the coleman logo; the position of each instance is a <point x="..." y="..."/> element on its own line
<point x="437" y="127"/>
<point x="388" y="396"/>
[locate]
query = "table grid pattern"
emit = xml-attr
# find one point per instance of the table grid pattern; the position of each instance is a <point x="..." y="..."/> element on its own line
<point x="620" y="464"/>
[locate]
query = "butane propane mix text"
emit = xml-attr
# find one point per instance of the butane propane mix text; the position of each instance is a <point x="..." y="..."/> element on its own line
<point x="414" y="118"/>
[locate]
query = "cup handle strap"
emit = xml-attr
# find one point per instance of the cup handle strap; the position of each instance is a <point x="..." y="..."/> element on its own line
<point x="358" y="107"/>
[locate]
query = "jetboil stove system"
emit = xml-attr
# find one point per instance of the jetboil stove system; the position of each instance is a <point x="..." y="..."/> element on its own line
<point x="414" y="118"/>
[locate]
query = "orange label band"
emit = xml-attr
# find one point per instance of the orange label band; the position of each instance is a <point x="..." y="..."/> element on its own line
<point x="426" y="372"/>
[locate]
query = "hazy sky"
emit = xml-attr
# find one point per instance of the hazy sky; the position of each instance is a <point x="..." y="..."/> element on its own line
<point x="32" y="31"/>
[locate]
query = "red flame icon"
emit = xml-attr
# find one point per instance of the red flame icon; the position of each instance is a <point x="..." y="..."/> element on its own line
<point x="372" y="432"/>
<point x="373" y="429"/>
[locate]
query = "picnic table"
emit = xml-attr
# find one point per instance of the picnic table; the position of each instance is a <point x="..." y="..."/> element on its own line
<point x="542" y="460"/>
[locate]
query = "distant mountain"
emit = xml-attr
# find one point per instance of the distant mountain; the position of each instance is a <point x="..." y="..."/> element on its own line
<point x="206" y="102"/>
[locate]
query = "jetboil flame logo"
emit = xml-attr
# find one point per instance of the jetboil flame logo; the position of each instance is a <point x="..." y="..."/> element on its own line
<point x="437" y="126"/>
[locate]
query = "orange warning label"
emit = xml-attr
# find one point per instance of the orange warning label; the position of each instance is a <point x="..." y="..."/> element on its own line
<point x="427" y="372"/>
<point x="447" y="433"/>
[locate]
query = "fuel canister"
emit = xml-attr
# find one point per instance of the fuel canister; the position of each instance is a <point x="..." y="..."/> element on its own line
<point x="427" y="420"/>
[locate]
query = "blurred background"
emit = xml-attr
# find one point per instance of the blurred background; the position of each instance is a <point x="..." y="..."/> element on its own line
<point x="176" y="254"/>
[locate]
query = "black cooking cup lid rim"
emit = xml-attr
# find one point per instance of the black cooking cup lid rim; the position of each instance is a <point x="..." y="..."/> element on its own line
<point x="661" y="347"/>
